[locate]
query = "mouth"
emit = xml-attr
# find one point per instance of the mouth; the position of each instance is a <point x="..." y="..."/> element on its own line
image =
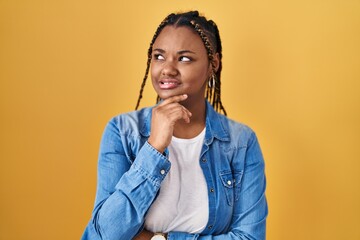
<point x="169" y="83"/>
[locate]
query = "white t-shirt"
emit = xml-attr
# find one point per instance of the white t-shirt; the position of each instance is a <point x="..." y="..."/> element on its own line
<point x="182" y="204"/>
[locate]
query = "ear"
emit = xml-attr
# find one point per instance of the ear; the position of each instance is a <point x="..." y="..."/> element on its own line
<point x="216" y="61"/>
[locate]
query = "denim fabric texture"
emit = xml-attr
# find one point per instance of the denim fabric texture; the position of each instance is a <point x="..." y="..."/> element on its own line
<point x="130" y="172"/>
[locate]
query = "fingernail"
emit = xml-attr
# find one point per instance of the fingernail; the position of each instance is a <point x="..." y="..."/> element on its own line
<point x="185" y="95"/>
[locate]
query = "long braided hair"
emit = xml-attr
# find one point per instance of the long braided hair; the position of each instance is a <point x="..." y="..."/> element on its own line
<point x="209" y="34"/>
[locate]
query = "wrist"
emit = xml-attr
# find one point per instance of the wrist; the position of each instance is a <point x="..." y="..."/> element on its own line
<point x="159" y="148"/>
<point x="159" y="236"/>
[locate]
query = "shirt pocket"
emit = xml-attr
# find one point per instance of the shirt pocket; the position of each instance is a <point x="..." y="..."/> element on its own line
<point x="231" y="183"/>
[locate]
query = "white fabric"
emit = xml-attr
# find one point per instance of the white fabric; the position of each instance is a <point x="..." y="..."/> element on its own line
<point x="182" y="204"/>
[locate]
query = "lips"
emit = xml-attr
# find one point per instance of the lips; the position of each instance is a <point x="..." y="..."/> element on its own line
<point x="169" y="83"/>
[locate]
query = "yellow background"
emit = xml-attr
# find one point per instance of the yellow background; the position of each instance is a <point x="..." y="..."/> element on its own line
<point x="291" y="72"/>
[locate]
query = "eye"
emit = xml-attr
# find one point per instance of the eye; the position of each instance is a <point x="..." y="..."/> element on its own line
<point x="159" y="57"/>
<point x="185" y="59"/>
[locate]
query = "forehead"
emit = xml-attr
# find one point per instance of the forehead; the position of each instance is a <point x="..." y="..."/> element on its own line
<point x="179" y="38"/>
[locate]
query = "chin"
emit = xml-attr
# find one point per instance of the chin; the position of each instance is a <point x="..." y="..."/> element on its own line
<point x="164" y="96"/>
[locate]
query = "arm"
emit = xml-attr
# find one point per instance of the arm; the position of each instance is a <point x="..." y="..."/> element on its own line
<point x="124" y="191"/>
<point x="144" y="235"/>
<point x="250" y="209"/>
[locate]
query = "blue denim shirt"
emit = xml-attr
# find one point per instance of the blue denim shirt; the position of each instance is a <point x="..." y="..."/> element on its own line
<point x="130" y="172"/>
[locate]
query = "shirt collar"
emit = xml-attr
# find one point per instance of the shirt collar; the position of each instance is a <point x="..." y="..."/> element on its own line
<point x="216" y="126"/>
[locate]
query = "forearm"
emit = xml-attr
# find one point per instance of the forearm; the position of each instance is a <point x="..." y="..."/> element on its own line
<point x="144" y="235"/>
<point x="120" y="214"/>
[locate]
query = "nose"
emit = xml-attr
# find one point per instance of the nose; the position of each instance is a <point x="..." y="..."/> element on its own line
<point x="169" y="69"/>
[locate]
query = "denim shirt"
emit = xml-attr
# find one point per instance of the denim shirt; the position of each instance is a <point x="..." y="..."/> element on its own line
<point x="130" y="172"/>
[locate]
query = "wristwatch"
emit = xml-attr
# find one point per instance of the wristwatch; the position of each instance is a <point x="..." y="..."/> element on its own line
<point x="158" y="236"/>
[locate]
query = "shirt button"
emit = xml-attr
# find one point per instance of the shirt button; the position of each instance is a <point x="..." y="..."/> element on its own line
<point x="212" y="190"/>
<point x="210" y="227"/>
<point x="229" y="183"/>
<point x="162" y="171"/>
<point x="203" y="160"/>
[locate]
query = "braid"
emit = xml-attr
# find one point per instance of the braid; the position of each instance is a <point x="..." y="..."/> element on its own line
<point x="213" y="92"/>
<point x="218" y="83"/>
<point x="209" y="34"/>
<point x="158" y="30"/>
<point x="209" y="49"/>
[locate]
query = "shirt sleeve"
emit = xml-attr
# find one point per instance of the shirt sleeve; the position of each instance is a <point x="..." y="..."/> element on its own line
<point x="250" y="209"/>
<point x="125" y="190"/>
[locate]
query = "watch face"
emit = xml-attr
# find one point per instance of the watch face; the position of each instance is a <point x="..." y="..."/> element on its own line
<point x="158" y="237"/>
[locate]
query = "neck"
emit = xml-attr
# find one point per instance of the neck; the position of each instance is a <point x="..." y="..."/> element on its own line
<point x="197" y="120"/>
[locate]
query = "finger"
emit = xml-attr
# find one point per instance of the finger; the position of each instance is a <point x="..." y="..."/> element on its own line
<point x="186" y="115"/>
<point x="187" y="111"/>
<point x="167" y="108"/>
<point x="174" y="99"/>
<point x="175" y="107"/>
<point x="183" y="114"/>
<point x="179" y="113"/>
<point x="172" y="112"/>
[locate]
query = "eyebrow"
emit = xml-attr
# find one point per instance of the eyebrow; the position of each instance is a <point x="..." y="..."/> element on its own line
<point x="179" y="52"/>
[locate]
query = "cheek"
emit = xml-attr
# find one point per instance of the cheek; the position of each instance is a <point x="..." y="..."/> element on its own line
<point x="202" y="73"/>
<point x="154" y="70"/>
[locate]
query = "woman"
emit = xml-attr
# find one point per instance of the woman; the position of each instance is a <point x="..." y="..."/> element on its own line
<point x="180" y="170"/>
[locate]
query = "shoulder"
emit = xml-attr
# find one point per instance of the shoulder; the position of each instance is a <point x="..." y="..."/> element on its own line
<point x="132" y="122"/>
<point x="238" y="132"/>
<point x="231" y="132"/>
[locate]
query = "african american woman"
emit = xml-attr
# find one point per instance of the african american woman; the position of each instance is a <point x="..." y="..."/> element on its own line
<point x="180" y="169"/>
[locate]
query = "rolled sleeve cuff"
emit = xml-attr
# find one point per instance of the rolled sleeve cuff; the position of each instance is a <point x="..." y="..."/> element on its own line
<point x="181" y="236"/>
<point x="152" y="164"/>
